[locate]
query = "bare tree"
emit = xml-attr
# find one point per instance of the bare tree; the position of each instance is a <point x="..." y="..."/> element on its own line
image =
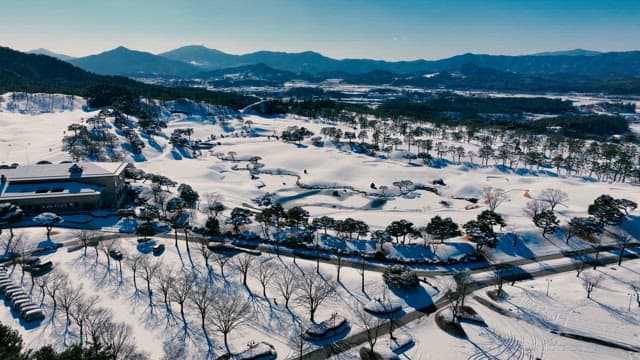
<point x="494" y="197"/>
<point x="149" y="269"/>
<point x="266" y="272"/>
<point x="314" y="290"/>
<point x="119" y="341"/>
<point x="590" y="281"/>
<point x="455" y="299"/>
<point x="134" y="262"/>
<point x="535" y="207"/>
<point x="578" y="265"/>
<point x="182" y="287"/>
<point x="498" y="278"/>
<point x="369" y="323"/>
<point x="338" y="266"/>
<point x="80" y="311"/>
<point x="553" y="197"/>
<point x="106" y="247"/>
<point x="55" y="281"/>
<point x="286" y="284"/>
<point x="243" y="263"/>
<point x="206" y="255"/>
<point x="221" y="260"/>
<point x="622" y="238"/>
<point x="203" y="298"/>
<point x="164" y="282"/>
<point x="95" y="322"/>
<point x="85" y="237"/>
<point x="232" y="311"/>
<point x="463" y="281"/>
<point x="299" y="342"/>
<point x="68" y="296"/>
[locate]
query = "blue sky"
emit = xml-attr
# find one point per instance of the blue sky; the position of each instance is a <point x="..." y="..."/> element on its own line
<point x="381" y="29"/>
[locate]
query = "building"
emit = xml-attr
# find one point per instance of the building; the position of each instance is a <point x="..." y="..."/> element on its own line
<point x="69" y="187"/>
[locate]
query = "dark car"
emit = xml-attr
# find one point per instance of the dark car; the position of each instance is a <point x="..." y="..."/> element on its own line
<point x="158" y="249"/>
<point x="40" y="269"/>
<point x="116" y="255"/>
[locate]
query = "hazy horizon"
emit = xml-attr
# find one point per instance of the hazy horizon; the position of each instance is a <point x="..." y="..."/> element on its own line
<point x="381" y="29"/>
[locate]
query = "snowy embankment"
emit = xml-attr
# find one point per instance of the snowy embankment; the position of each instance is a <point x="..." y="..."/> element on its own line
<point x="151" y="326"/>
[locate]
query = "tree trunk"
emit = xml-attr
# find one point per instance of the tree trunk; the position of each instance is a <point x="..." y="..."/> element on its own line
<point x="620" y="256"/>
<point x="226" y="343"/>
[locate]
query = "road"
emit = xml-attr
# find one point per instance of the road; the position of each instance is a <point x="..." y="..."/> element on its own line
<point x="507" y="269"/>
<point x="360" y="338"/>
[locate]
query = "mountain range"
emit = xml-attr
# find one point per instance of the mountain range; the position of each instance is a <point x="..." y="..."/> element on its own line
<point x="190" y="60"/>
<point x="573" y="70"/>
<point x="34" y="73"/>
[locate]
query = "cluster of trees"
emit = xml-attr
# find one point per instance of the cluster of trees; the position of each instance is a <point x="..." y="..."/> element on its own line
<point x="295" y="134"/>
<point x="97" y="333"/>
<point x="561" y="146"/>
<point x="447" y="109"/>
<point x="12" y="347"/>
<point x="419" y="105"/>
<point x="91" y="140"/>
<point x="605" y="210"/>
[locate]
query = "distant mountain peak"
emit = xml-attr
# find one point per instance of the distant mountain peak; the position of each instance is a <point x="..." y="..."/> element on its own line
<point x="43" y="51"/>
<point x="574" y="52"/>
<point x="124" y="61"/>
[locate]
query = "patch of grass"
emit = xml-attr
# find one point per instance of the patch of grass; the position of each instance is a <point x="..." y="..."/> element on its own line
<point x="452" y="328"/>
<point x="493" y="294"/>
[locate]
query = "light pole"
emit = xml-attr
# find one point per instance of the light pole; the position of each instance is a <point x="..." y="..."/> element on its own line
<point x="548" y="282"/>
<point x="631" y="295"/>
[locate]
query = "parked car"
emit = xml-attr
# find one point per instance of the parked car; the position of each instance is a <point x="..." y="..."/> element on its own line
<point x="19" y="304"/>
<point x="5" y="287"/>
<point x="116" y="254"/>
<point x="25" y="309"/>
<point x="40" y="269"/>
<point x="33" y="315"/>
<point x="10" y="294"/>
<point x="158" y="248"/>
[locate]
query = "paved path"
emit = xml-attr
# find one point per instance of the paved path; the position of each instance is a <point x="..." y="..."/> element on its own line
<point x="360" y="338"/>
<point x="357" y="339"/>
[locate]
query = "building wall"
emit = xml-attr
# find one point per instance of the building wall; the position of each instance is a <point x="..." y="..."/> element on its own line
<point x="111" y="197"/>
<point x="59" y="205"/>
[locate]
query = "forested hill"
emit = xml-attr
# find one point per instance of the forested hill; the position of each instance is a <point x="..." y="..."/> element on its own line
<point x="40" y="73"/>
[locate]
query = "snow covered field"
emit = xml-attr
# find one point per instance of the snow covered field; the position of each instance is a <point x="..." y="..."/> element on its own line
<point x="526" y="332"/>
<point x="33" y="132"/>
<point x="156" y="333"/>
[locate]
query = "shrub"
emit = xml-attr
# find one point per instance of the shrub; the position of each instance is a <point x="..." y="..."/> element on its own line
<point x="400" y="276"/>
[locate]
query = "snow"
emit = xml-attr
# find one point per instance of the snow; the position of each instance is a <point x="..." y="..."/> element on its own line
<point x="336" y="183"/>
<point x="271" y="322"/>
<point x="526" y="333"/>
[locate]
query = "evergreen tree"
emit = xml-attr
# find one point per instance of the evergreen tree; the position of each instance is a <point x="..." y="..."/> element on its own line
<point x="442" y="229"/>
<point x="547" y="221"/>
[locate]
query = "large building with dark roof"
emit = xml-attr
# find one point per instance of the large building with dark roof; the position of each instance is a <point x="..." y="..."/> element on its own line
<point x="69" y="187"/>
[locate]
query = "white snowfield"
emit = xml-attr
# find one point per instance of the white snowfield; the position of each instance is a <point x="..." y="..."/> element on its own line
<point x="32" y="131"/>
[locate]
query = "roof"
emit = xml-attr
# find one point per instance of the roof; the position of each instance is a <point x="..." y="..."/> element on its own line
<point x="48" y="190"/>
<point x="63" y="171"/>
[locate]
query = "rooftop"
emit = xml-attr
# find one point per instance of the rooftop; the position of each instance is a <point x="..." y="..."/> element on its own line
<point x="45" y="190"/>
<point x="63" y="171"/>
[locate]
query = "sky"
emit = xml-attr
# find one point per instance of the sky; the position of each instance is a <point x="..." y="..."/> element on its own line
<point x="378" y="29"/>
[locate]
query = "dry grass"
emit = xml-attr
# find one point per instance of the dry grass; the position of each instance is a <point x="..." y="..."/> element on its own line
<point x="493" y="294"/>
<point x="452" y="328"/>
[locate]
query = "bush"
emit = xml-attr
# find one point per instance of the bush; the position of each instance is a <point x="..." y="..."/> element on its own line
<point x="367" y="354"/>
<point x="400" y="276"/>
